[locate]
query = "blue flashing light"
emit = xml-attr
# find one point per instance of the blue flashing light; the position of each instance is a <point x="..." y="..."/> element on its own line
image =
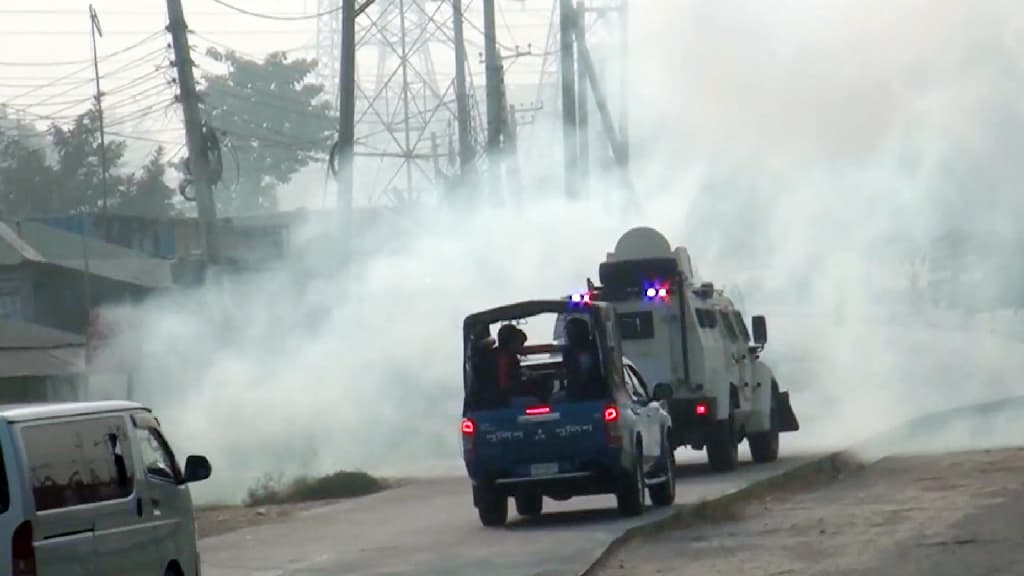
<point x="656" y="291"/>
<point x="581" y="299"/>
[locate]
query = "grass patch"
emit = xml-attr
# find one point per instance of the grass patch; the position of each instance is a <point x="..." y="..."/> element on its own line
<point x="270" y="489"/>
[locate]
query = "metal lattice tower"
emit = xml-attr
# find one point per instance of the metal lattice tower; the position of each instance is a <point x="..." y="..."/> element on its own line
<point x="405" y="114"/>
<point x="328" y="38"/>
<point x="606" y="22"/>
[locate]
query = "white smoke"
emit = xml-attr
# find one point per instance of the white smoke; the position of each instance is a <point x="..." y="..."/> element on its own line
<point x="803" y="152"/>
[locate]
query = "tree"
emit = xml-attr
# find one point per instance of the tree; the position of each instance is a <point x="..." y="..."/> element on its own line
<point x="270" y="123"/>
<point x="60" y="172"/>
<point x="79" y="165"/>
<point x="147" y="193"/>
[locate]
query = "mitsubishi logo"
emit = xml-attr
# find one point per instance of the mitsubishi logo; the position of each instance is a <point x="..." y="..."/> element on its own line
<point x="539" y="435"/>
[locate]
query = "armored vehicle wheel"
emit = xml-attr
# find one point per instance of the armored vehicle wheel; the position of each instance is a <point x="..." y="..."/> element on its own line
<point x="764" y="446"/>
<point x="723" y="450"/>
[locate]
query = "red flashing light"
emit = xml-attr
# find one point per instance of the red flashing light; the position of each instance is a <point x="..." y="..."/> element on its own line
<point x="538" y="410"/>
<point x="611" y="414"/>
<point x="468" y="427"/>
<point x="701" y="409"/>
<point x="581" y="298"/>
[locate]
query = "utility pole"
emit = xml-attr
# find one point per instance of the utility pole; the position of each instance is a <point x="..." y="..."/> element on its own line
<point x="467" y="154"/>
<point x="624" y="86"/>
<point x="582" y="113"/>
<point x="344" y="177"/>
<point x="94" y="22"/>
<point x="567" y="19"/>
<point x="494" y="111"/>
<point x="198" y="154"/>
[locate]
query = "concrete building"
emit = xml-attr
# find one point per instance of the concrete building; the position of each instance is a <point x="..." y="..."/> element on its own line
<point x="54" y="278"/>
<point x="40" y="364"/>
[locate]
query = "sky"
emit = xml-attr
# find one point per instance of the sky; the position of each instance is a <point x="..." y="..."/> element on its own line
<point x="45" y="56"/>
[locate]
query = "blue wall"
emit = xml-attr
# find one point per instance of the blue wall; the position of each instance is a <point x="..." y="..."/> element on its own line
<point x="152" y="237"/>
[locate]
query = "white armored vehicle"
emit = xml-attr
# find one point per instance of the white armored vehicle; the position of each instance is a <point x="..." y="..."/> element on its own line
<point x="692" y="337"/>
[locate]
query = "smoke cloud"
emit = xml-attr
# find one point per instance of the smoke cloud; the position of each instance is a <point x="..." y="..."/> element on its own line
<point x="807" y="154"/>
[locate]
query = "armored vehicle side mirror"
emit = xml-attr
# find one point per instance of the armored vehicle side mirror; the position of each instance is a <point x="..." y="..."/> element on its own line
<point x="662" y="392"/>
<point x="760" y="330"/>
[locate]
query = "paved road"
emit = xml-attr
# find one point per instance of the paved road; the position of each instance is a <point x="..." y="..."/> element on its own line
<point x="431" y="528"/>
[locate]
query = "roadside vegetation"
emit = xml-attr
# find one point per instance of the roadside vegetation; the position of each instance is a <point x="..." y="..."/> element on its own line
<point x="275" y="489"/>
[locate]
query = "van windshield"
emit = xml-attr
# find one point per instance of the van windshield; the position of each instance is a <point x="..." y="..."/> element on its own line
<point x="509" y="370"/>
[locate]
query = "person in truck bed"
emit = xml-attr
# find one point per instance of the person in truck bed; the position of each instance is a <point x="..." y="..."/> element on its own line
<point x="510" y="345"/>
<point x="581" y="361"/>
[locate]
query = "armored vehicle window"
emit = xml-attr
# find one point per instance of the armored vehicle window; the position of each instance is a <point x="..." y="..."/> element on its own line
<point x="78" y="462"/>
<point x="730" y="330"/>
<point x="636" y="325"/>
<point x="706" y="318"/>
<point x="741" y="325"/>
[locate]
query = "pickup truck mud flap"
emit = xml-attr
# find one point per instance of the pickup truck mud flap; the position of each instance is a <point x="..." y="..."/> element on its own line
<point x="787" y="419"/>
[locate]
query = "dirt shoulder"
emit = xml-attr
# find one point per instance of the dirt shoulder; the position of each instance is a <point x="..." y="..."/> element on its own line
<point x="941" y="515"/>
<point x="216" y="520"/>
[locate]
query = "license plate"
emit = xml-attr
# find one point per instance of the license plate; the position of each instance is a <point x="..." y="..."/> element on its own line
<point x="543" y="469"/>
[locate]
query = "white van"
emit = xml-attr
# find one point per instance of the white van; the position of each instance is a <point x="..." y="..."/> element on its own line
<point x="93" y="489"/>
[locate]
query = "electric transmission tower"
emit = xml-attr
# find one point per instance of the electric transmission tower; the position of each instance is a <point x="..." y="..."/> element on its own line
<point x="406" y="141"/>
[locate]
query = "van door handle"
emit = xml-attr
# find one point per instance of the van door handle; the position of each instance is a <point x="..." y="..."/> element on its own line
<point x="138" y="507"/>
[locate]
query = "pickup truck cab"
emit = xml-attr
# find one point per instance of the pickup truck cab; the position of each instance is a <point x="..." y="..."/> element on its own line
<point x="554" y="433"/>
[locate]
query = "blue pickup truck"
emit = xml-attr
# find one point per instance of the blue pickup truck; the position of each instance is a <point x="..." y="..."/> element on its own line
<point x="559" y="420"/>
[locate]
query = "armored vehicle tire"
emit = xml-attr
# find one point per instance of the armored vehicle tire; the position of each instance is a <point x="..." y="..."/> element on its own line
<point x="631" y="493"/>
<point x="492" y="508"/>
<point x="664" y="494"/>
<point x="723" y="450"/>
<point x="764" y="446"/>
<point x="529" y="504"/>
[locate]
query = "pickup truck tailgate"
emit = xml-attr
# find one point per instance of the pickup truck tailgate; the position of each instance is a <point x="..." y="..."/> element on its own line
<point x="540" y="441"/>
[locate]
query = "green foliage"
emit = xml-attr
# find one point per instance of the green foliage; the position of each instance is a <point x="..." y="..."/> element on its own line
<point x="272" y="126"/>
<point x="272" y="489"/>
<point x="60" y="172"/>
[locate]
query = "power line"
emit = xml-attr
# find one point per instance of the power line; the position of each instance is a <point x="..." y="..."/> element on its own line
<point x="276" y="17"/>
<point x="89" y="66"/>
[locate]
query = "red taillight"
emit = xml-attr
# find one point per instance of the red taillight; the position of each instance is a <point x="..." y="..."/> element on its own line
<point x="468" y="427"/>
<point x="701" y="409"/>
<point x="537" y="410"/>
<point x="23" y="552"/>
<point x="611" y="414"/>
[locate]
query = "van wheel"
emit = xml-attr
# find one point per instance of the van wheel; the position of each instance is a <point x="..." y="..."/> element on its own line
<point x="764" y="446"/>
<point x="631" y="495"/>
<point x="492" y="507"/>
<point x="172" y="570"/>
<point x="529" y="504"/>
<point x="723" y="450"/>
<point x="664" y="494"/>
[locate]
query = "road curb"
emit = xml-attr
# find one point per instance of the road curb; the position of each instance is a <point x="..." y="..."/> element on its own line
<point x="809" y="475"/>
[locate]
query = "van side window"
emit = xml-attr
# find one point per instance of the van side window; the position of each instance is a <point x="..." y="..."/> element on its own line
<point x="157" y="457"/>
<point x="78" y="462"/>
